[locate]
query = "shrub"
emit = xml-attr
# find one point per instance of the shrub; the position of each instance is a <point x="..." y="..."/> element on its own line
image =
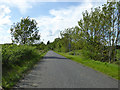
<point x="13" y="54"/>
<point x="16" y="60"/>
<point x="118" y="54"/>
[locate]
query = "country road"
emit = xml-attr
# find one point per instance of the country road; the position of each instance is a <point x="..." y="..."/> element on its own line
<point x="56" y="71"/>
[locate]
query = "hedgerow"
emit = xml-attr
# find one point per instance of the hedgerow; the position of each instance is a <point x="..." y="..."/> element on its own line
<point x="16" y="60"/>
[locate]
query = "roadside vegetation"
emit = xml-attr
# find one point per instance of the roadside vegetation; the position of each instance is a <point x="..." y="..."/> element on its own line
<point x="23" y="53"/>
<point x="95" y="42"/>
<point x="104" y="67"/>
<point x="97" y="37"/>
<point x="16" y="60"/>
<point x="97" y="34"/>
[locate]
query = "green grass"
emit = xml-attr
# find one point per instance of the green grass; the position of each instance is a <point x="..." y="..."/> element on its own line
<point x="16" y="72"/>
<point x="118" y="54"/>
<point x="104" y="67"/>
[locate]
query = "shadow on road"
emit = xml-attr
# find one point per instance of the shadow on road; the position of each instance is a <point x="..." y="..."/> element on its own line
<point x="50" y="57"/>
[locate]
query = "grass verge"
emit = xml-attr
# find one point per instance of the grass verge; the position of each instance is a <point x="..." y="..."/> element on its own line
<point x="13" y="75"/>
<point x="104" y="67"/>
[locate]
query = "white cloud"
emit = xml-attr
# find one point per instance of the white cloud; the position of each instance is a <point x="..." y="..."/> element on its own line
<point x="23" y="5"/>
<point x="4" y="17"/>
<point x="4" y="39"/>
<point x="50" y="26"/>
<point x="5" y="36"/>
<point x="4" y="23"/>
<point x="4" y="10"/>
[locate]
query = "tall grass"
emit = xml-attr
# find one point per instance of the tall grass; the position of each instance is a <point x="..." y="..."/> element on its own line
<point x="16" y="60"/>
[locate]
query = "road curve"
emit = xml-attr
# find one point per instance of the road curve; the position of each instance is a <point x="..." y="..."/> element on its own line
<point x="56" y="71"/>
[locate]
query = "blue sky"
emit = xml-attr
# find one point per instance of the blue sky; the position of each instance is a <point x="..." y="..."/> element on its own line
<point x="52" y="16"/>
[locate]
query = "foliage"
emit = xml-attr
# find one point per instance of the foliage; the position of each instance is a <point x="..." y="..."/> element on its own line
<point x="40" y="46"/>
<point x="17" y="59"/>
<point x="94" y="40"/>
<point x="48" y="42"/>
<point x="97" y="34"/>
<point x="13" y="54"/>
<point x="25" y="31"/>
<point x="118" y="54"/>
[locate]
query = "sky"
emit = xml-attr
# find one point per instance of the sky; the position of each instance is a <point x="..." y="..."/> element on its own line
<point x="52" y="16"/>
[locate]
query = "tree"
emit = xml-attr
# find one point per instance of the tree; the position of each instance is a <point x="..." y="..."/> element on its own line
<point x="97" y="33"/>
<point x="48" y="42"/>
<point x="66" y="37"/>
<point x="25" y="31"/>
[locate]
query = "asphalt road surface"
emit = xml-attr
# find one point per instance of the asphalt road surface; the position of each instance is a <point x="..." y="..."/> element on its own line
<point x="56" y="71"/>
